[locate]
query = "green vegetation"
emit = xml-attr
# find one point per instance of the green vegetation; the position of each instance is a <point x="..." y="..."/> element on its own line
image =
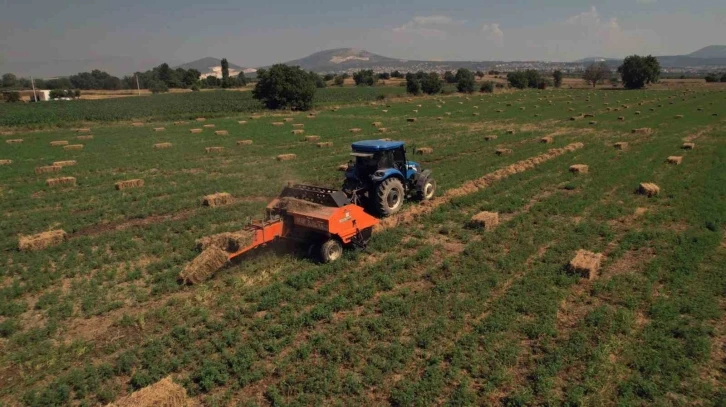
<point x="434" y="312"/>
<point x="637" y="71"/>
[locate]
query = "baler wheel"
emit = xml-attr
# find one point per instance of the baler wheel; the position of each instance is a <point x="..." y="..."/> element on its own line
<point x="331" y="251"/>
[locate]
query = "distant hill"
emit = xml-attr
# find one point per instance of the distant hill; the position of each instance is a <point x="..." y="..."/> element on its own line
<point x="712" y="51"/>
<point x="213" y="66"/>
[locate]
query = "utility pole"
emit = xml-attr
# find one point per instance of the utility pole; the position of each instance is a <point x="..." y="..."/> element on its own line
<point x="35" y="95"/>
<point x="138" y="88"/>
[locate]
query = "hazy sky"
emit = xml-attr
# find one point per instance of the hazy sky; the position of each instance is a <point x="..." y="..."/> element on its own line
<point x="43" y="37"/>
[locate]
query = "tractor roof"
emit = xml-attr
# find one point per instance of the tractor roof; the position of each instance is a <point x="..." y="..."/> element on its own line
<point x="371" y="146"/>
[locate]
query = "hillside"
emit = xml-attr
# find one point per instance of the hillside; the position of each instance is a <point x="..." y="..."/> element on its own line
<point x="711" y="51"/>
<point x="212" y="66"/>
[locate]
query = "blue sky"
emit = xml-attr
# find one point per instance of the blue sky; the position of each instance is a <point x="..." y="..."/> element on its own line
<point x="122" y="36"/>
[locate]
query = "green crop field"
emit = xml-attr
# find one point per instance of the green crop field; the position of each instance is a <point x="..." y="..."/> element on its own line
<point x="434" y="312"/>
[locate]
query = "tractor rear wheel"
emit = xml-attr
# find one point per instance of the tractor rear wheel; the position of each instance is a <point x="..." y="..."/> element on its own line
<point x="389" y="196"/>
<point x="428" y="189"/>
<point x="331" y="251"/>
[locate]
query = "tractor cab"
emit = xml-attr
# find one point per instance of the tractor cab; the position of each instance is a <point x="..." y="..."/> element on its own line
<point x="379" y="177"/>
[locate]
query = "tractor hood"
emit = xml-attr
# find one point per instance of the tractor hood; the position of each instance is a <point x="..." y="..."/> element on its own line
<point x="373" y="146"/>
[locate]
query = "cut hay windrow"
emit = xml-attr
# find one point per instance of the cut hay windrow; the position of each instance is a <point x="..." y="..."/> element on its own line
<point x="61" y="181"/>
<point x="469" y="187"/>
<point x="159" y="128"/>
<point x="674" y="159"/>
<point x="227" y="241"/>
<point x="208" y="126"/>
<point x="214" y="149"/>
<point x="579" y="169"/>
<point x="244" y="142"/>
<point x="47" y="169"/>
<point x="88" y="137"/>
<point x="585" y="264"/>
<point x="6" y="162"/>
<point x="137" y="124"/>
<point x="131" y="183"/>
<point x="41" y="240"/>
<point x="161" y="146"/>
<point x="65" y="163"/>
<point x="163" y="393"/>
<point x="59" y="143"/>
<point x="424" y="150"/>
<point x="14" y="141"/>
<point x="286" y="157"/>
<point x="325" y="144"/>
<point x="312" y="138"/>
<point x="195" y="131"/>
<point x="485" y="220"/>
<point x="218" y="199"/>
<point x="221" y="133"/>
<point x="73" y="147"/>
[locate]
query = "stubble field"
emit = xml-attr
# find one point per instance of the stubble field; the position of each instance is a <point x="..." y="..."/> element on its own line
<point x="435" y="312"/>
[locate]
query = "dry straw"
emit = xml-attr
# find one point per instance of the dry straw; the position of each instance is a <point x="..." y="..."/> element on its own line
<point x="503" y="151"/>
<point x="208" y="126"/>
<point x="377" y="124"/>
<point x="218" y="199"/>
<point x="221" y="133"/>
<point x="163" y="393"/>
<point x="485" y="220"/>
<point x="161" y="146"/>
<point x="674" y="159"/>
<point x="586" y="264"/>
<point x="424" y="150"/>
<point x="298" y="131"/>
<point x="325" y="144"/>
<point x="648" y="189"/>
<point x="41" y="240"/>
<point x="73" y="147"/>
<point x="84" y="130"/>
<point x="288" y="119"/>
<point x="286" y="157"/>
<point x="137" y="124"/>
<point x="214" y="149"/>
<point x="579" y="169"/>
<point x="65" y="163"/>
<point x="200" y="119"/>
<point x="242" y="122"/>
<point x="355" y="130"/>
<point x="6" y="162"/>
<point x="88" y="137"/>
<point x="14" y="141"/>
<point x="62" y="181"/>
<point x="159" y="129"/>
<point x="132" y="183"/>
<point x="244" y="142"/>
<point x="59" y="143"/>
<point x="195" y="131"/>
<point x="343" y="167"/>
<point x="47" y="169"/>
<point x="312" y="138"/>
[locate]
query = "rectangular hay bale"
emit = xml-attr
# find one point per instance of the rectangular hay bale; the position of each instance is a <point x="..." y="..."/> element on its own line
<point x="221" y="133"/>
<point x="218" y="199"/>
<point x="586" y="264"/>
<point x="195" y="131"/>
<point x="45" y="169"/>
<point x="131" y="183"/>
<point x="674" y="159"/>
<point x="59" y="143"/>
<point x="312" y="138"/>
<point x="6" y="162"/>
<point x="286" y="157"/>
<point x="503" y="151"/>
<point x="424" y="150"/>
<point x="14" y="141"/>
<point x="161" y="146"/>
<point x="88" y="137"/>
<point x="621" y="145"/>
<point x="203" y="266"/>
<point x="214" y="149"/>
<point x="73" y="147"/>
<point x="41" y="240"/>
<point x="648" y="189"/>
<point x="244" y="142"/>
<point x="688" y="146"/>
<point x="485" y="220"/>
<point x="579" y="168"/>
<point x="65" y="163"/>
<point x="325" y="144"/>
<point x="61" y="181"/>
<point x="642" y="130"/>
<point x="159" y="128"/>
<point x="208" y="126"/>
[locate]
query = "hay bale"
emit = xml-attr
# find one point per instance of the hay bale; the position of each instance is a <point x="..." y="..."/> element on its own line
<point x="621" y="145"/>
<point x="642" y="130"/>
<point x="61" y="181"/>
<point x="195" y="131"/>
<point x="137" y="124"/>
<point x="377" y="124"/>
<point x="159" y="128"/>
<point x="163" y="393"/>
<point x="335" y="109"/>
<point x="227" y="241"/>
<point x="47" y="169"/>
<point x="242" y="122"/>
<point x="499" y="111"/>
<point x="424" y="150"/>
<point x="343" y="167"/>
<point x="255" y="117"/>
<point x="637" y="112"/>
<point x="200" y="119"/>
<point x="475" y="114"/>
<point x="384" y="111"/>
<point x="648" y="189"/>
<point x="6" y="162"/>
<point x="447" y="113"/>
<point x="675" y="159"/>
<point x="287" y="119"/>
<point x="65" y="163"/>
<point x="214" y="149"/>
<point x="490" y="137"/>
<point x="286" y="157"/>
<point x="179" y="123"/>
<point x="208" y="126"/>
<point x="586" y="264"/>
<point x="298" y="125"/>
<point x="84" y="130"/>
<point x="298" y="131"/>
<point x="573" y="118"/>
<point x="312" y="138"/>
<point x="621" y="118"/>
<point x="503" y="151"/>
<point x="355" y="130"/>
<point x="161" y="146"/>
<point x="546" y="140"/>
<point x="678" y="116"/>
<point x="325" y="144"/>
<point x="412" y="119"/>
<point x="41" y="241"/>
<point x="244" y="142"/>
<point x="131" y="183"/>
<point x="278" y="124"/>
<point x="511" y="131"/>
<point x="221" y="133"/>
<point x="586" y="115"/>
<point x="485" y="220"/>
<point x="14" y="141"/>
<point x="218" y="199"/>
<point x="688" y="146"/>
<point x="579" y="169"/>
<point x="89" y="137"/>
<point x="592" y="122"/>
<point x="382" y="130"/>
<point x="59" y="143"/>
<point x="73" y="147"/>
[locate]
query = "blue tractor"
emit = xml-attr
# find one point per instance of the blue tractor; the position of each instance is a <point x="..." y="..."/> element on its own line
<point x="379" y="177"/>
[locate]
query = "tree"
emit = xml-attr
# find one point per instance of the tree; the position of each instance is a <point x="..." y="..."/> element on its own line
<point x="225" y="73"/>
<point x="384" y="75"/>
<point x="241" y="79"/>
<point x="557" y="78"/>
<point x="637" y="71"/>
<point x="283" y="87"/>
<point x="723" y="77"/>
<point x="364" y="77"/>
<point x="158" y="87"/>
<point x="413" y="85"/>
<point x="339" y="80"/>
<point x="614" y="81"/>
<point x="329" y="77"/>
<point x="449" y="77"/>
<point x="479" y="74"/>
<point x="396" y="74"/>
<point x="11" y="97"/>
<point x="9" y="80"/>
<point x="431" y="83"/>
<point x="596" y="73"/>
<point x="487" y="87"/>
<point x="464" y="80"/>
<point x="212" y="81"/>
<point x="712" y="77"/>
<point x="319" y="82"/>
<point x="518" y="79"/>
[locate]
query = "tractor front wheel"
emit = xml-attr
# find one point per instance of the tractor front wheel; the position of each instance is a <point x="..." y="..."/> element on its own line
<point x="389" y="196"/>
<point x="331" y="251"/>
<point x="427" y="190"/>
